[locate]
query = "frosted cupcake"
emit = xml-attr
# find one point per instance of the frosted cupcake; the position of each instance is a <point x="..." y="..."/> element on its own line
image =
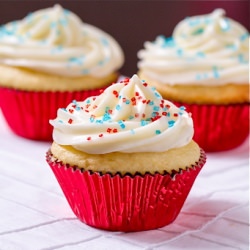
<point x="48" y="59"/>
<point x="125" y="159"/>
<point x="204" y="66"/>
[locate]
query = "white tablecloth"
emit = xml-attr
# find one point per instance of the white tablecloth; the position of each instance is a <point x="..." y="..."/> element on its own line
<point x="34" y="214"/>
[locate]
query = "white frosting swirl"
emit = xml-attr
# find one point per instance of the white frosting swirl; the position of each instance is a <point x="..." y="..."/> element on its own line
<point x="54" y="40"/>
<point x="127" y="117"/>
<point x="207" y="49"/>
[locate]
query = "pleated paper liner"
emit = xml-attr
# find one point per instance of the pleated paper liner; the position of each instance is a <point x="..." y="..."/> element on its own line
<point x="125" y="203"/>
<point x="28" y="112"/>
<point x="219" y="127"/>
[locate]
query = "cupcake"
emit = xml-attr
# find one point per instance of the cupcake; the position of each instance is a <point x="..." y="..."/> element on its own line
<point x="48" y="59"/>
<point x="205" y="67"/>
<point x="125" y="159"/>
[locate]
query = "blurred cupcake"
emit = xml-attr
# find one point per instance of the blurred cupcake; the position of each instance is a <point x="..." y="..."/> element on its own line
<point x="48" y="59"/>
<point x="205" y="67"/>
<point x="125" y="159"/>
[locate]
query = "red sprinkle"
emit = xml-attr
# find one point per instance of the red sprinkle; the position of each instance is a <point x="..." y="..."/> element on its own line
<point x="115" y="130"/>
<point x="137" y="93"/>
<point x="155" y="118"/>
<point x="136" y="115"/>
<point x="71" y="111"/>
<point x="109" y="130"/>
<point x="175" y="114"/>
<point x="100" y="135"/>
<point x="70" y="121"/>
<point x="115" y="93"/>
<point x="164" y="113"/>
<point x="126" y="79"/>
<point x="145" y="84"/>
<point x="89" y="138"/>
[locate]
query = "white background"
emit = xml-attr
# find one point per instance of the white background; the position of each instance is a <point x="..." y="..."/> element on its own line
<point x="34" y="214"/>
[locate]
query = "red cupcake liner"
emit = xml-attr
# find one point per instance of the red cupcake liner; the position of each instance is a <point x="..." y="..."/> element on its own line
<point x="219" y="127"/>
<point x="28" y="112"/>
<point x="125" y="203"/>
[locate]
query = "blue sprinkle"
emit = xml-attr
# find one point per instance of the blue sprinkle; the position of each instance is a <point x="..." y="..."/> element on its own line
<point x="143" y="123"/>
<point x="215" y="72"/>
<point x="182" y="108"/>
<point x="78" y="108"/>
<point x="53" y="25"/>
<point x="200" y="54"/>
<point x="66" y="12"/>
<point x="156" y="108"/>
<point x="99" y="121"/>
<point x="63" y="22"/>
<point x="198" y="77"/>
<point x="151" y="103"/>
<point x="106" y="117"/>
<point x="92" y="119"/>
<point x="207" y="20"/>
<point x="29" y="17"/>
<point x="122" y="125"/>
<point x="100" y="63"/>
<point x="194" y="21"/>
<point x="231" y="46"/>
<point x="64" y="109"/>
<point x="179" y="52"/>
<point x="198" y="31"/>
<point x="57" y="49"/>
<point x="60" y="121"/>
<point x="127" y="101"/>
<point x="76" y="60"/>
<point x="201" y="76"/>
<point x="118" y="107"/>
<point x="131" y="117"/>
<point x="171" y="123"/>
<point x="242" y="59"/>
<point x="88" y="101"/>
<point x="104" y="41"/>
<point x="157" y="131"/>
<point x="157" y="94"/>
<point x="154" y="114"/>
<point x="244" y="37"/>
<point x="85" y="71"/>
<point x="168" y="42"/>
